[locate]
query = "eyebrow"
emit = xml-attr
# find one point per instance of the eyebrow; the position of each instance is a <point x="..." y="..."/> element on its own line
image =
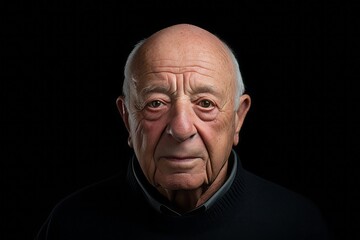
<point x="205" y="89"/>
<point x="154" y="88"/>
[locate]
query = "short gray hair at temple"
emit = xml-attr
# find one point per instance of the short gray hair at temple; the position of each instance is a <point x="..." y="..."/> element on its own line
<point x="240" y="87"/>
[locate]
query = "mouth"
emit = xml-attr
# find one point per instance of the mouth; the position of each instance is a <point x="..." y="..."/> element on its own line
<point x="179" y="158"/>
<point x="182" y="162"/>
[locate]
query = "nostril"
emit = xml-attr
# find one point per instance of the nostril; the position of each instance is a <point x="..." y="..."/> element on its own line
<point x="192" y="136"/>
<point x="168" y="130"/>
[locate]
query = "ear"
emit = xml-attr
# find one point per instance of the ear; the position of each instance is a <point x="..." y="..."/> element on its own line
<point x="121" y="106"/>
<point x="120" y="103"/>
<point x="244" y="106"/>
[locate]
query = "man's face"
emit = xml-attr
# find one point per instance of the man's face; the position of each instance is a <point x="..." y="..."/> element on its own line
<point x="181" y="116"/>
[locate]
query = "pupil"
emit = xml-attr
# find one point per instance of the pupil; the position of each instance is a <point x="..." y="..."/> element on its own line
<point x="156" y="103"/>
<point x="205" y="103"/>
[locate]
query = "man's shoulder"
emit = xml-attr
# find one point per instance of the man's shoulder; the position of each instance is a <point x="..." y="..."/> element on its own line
<point x="271" y="193"/>
<point x="100" y="194"/>
<point x="91" y="207"/>
<point x="276" y="203"/>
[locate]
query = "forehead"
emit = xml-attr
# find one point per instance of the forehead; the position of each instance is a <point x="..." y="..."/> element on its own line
<point x="198" y="73"/>
<point x="204" y="58"/>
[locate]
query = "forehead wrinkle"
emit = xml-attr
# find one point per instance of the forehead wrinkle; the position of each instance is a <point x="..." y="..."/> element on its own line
<point x="180" y="62"/>
<point x="181" y="69"/>
<point x="179" y="72"/>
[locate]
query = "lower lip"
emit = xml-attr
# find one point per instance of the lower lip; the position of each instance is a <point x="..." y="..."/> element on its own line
<point x="178" y="159"/>
<point x="180" y="162"/>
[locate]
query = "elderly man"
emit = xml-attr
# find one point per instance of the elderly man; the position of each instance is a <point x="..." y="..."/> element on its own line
<point x="183" y="105"/>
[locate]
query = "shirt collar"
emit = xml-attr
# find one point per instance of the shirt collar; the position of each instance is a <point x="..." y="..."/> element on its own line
<point x="159" y="203"/>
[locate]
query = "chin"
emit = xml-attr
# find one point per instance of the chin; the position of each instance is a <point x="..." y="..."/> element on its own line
<point x="181" y="181"/>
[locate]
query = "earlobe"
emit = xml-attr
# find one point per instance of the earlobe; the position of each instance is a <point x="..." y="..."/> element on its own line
<point x="244" y="106"/>
<point x="130" y="141"/>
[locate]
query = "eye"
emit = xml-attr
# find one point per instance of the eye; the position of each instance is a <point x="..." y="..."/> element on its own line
<point x="154" y="104"/>
<point x="206" y="103"/>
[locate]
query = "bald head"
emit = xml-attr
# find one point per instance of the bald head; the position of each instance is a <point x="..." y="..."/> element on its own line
<point x="181" y="43"/>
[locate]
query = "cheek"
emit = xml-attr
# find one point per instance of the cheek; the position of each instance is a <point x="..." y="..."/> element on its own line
<point x="145" y="133"/>
<point x="218" y="138"/>
<point x="145" y="137"/>
<point x="219" y="131"/>
<point x="150" y="132"/>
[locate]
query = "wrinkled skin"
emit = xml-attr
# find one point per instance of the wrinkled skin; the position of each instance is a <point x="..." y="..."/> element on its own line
<point x="181" y="119"/>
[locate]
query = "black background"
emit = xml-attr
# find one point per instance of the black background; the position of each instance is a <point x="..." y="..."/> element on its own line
<point x="62" y="71"/>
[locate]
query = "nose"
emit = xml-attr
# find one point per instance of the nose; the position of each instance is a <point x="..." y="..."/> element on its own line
<point x="181" y="125"/>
